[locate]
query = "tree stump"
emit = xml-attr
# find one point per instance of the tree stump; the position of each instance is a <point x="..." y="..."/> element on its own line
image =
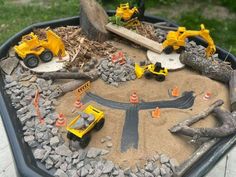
<point x="93" y="19"/>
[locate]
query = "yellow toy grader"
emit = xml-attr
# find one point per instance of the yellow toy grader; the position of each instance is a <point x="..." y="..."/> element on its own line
<point x="31" y="49"/>
<point x="175" y="40"/>
<point x="150" y="71"/>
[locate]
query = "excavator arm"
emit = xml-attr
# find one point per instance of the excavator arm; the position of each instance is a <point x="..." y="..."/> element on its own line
<point x="203" y="33"/>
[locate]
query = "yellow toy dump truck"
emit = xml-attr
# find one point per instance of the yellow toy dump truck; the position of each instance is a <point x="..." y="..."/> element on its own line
<point x="150" y="71"/>
<point x="80" y="128"/>
<point x="175" y="40"/>
<point x="31" y="49"/>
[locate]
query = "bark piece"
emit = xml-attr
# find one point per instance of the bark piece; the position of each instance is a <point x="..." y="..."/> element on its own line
<point x="214" y="69"/>
<point x="232" y="90"/>
<point x="9" y="64"/>
<point x="93" y="19"/>
<point x="227" y="127"/>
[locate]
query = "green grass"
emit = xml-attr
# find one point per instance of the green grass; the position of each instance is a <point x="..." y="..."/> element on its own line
<point x="16" y="17"/>
<point x="222" y="31"/>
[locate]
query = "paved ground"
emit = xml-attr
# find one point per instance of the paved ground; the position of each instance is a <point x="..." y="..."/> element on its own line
<point x="225" y="168"/>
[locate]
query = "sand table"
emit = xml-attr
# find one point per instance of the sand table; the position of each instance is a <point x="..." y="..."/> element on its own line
<point x="153" y="133"/>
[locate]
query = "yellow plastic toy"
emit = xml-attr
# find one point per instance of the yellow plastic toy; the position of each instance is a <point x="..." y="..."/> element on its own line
<point x="31" y="49"/>
<point x="125" y="13"/>
<point x="83" y="135"/>
<point x="175" y="40"/>
<point x="151" y="70"/>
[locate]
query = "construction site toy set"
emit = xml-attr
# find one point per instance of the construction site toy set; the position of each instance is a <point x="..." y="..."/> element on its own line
<point x="111" y="96"/>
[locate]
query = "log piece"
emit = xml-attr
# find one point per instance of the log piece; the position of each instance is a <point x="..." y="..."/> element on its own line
<point x="214" y="69"/>
<point x="69" y="75"/>
<point x="232" y="90"/>
<point x="227" y="127"/>
<point x="93" y="19"/>
<point x="67" y="87"/>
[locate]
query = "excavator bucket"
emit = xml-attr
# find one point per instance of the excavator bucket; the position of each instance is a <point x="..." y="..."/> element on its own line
<point x="139" y="71"/>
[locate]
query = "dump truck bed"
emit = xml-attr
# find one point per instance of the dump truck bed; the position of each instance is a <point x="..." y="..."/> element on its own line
<point x="81" y="132"/>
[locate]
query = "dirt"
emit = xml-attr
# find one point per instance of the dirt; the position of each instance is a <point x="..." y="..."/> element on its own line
<point x="153" y="133"/>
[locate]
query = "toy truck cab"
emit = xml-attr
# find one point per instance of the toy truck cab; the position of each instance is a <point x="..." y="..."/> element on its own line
<point x="82" y="133"/>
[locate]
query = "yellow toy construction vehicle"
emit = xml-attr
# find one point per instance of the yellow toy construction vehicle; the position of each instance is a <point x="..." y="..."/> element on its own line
<point x="125" y="13"/>
<point x="31" y="49"/>
<point x="150" y="71"/>
<point x="80" y="128"/>
<point x="175" y="40"/>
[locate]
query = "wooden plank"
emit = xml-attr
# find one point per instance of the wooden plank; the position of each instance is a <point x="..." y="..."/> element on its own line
<point x="134" y="37"/>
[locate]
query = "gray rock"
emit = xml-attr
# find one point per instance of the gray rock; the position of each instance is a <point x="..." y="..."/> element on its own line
<point x="63" y="150"/>
<point x="109" y="144"/>
<point x="156" y="172"/>
<point x="39" y="153"/>
<point x="162" y="171"/>
<point x="60" y="173"/>
<point x="103" y="140"/>
<point x="64" y="166"/>
<point x="91" y="118"/>
<point x="108" y="138"/>
<point x="104" y="152"/>
<point x="54" y="141"/>
<point x="86" y="68"/>
<point x="79" y="124"/>
<point x="9" y="79"/>
<point x="164" y="158"/>
<point x="104" y="77"/>
<point x="80" y="165"/>
<point x="22" y="110"/>
<point x="55" y="158"/>
<point x="93" y="152"/>
<point x="8" y="65"/>
<point x="84" y="171"/>
<point x="49" y="163"/>
<point x="150" y="167"/>
<point x="28" y="138"/>
<point x="108" y="167"/>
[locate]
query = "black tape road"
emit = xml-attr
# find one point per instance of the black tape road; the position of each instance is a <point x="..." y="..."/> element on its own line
<point x="130" y="130"/>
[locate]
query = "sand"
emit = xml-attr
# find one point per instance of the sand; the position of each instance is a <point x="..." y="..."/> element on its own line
<point x="154" y="136"/>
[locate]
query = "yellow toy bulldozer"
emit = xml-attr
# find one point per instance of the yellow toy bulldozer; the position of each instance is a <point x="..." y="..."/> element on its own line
<point x="150" y="71"/>
<point x="31" y="49"/>
<point x="125" y="13"/>
<point x="175" y="40"/>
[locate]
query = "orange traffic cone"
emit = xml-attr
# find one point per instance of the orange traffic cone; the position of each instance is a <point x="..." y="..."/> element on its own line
<point x="78" y="104"/>
<point x="61" y="120"/>
<point x="134" y="98"/>
<point x="175" y="92"/>
<point x="156" y="113"/>
<point x="207" y="96"/>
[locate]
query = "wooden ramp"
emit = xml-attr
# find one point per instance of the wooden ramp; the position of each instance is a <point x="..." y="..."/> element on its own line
<point x="134" y="37"/>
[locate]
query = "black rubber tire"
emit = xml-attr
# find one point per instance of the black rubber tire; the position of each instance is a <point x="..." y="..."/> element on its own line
<point x="71" y="136"/>
<point x="160" y="78"/>
<point x="46" y="55"/>
<point x="168" y="50"/>
<point x="84" y="141"/>
<point x="31" y="61"/>
<point x="99" y="125"/>
<point x="148" y="75"/>
<point x="180" y="49"/>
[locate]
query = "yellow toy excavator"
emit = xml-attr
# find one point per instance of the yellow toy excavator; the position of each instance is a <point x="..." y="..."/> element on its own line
<point x="175" y="40"/>
<point x="150" y="71"/>
<point x="31" y="49"/>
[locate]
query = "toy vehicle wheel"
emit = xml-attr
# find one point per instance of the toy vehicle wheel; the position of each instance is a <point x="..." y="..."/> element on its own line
<point x="148" y="75"/>
<point x="71" y="136"/>
<point x="31" y="61"/>
<point x="99" y="125"/>
<point x="46" y="55"/>
<point x="160" y="78"/>
<point x="168" y="49"/>
<point x="83" y="142"/>
<point x="180" y="49"/>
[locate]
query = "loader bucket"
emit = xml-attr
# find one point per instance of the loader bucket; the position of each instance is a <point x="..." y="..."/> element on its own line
<point x="139" y="71"/>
